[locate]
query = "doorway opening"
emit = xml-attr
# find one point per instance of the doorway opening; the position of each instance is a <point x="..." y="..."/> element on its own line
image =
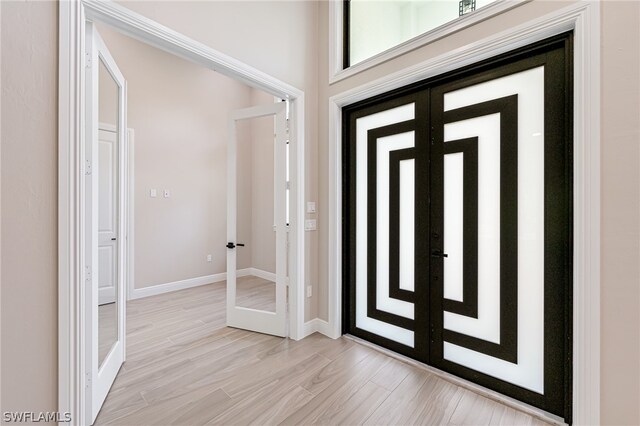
<point x="93" y="328"/>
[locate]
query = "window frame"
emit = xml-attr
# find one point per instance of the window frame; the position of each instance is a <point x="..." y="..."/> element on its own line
<point x="339" y="34"/>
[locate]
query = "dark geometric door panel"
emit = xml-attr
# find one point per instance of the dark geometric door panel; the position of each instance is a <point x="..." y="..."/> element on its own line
<point x="388" y="281"/>
<point x="500" y="201"/>
<point x="458" y="223"/>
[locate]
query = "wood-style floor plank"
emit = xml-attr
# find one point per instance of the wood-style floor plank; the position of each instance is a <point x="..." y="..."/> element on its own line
<point x="184" y="367"/>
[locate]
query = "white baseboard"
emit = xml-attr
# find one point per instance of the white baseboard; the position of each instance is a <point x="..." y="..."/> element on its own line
<point x="269" y="276"/>
<point x="316" y="325"/>
<point x="106" y="295"/>
<point x="153" y="290"/>
<point x="177" y="285"/>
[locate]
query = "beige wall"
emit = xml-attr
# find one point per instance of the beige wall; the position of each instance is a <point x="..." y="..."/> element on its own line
<point x="29" y="84"/>
<point x="284" y="31"/>
<point x="179" y="112"/>
<point x="620" y="304"/>
<point x="620" y="370"/>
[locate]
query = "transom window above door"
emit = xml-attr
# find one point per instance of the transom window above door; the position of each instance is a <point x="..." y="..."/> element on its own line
<point x="371" y="27"/>
<point x="367" y="33"/>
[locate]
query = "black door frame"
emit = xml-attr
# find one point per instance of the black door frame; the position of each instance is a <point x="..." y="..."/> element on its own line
<point x="560" y="236"/>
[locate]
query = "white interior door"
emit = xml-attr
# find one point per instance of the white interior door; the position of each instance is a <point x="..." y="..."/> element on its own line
<point x="105" y="187"/>
<point x="107" y="214"/>
<point x="256" y="220"/>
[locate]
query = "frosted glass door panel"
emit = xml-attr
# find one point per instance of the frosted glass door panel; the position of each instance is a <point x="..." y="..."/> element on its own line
<point x="522" y="97"/>
<point x="487" y="324"/>
<point x="385" y="141"/>
<point x="407" y="225"/>
<point x="453" y="226"/>
<point x="385" y="146"/>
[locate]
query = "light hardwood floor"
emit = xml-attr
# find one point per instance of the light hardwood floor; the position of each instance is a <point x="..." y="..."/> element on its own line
<point x="184" y="367"/>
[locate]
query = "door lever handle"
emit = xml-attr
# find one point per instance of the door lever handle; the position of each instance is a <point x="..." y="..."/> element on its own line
<point x="438" y="253"/>
<point x="231" y="245"/>
<point x="113" y="239"/>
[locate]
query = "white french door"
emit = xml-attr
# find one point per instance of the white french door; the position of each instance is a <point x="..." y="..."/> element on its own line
<point x="105" y="166"/>
<point x="107" y="214"/>
<point x="256" y="219"/>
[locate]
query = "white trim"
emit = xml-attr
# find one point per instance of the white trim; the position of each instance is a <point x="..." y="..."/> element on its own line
<point x="71" y="112"/>
<point x="336" y="73"/>
<point x="107" y="127"/>
<point x="154" y="290"/>
<point x="157" y="35"/>
<point x="265" y="275"/>
<point x="130" y="216"/>
<point x="315" y="325"/>
<point x="584" y="19"/>
<point x="480" y="390"/>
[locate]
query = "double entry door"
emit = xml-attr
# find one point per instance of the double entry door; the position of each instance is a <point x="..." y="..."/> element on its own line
<point x="457" y="222"/>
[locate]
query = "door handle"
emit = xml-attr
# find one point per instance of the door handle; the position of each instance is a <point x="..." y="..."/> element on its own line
<point x="113" y="239"/>
<point x="438" y="253"/>
<point x="231" y="245"/>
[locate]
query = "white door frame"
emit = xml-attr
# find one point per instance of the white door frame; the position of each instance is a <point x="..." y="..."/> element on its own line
<point x="583" y="18"/>
<point x="71" y="115"/>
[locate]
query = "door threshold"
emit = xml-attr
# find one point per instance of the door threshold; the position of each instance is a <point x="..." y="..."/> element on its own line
<point x="481" y="390"/>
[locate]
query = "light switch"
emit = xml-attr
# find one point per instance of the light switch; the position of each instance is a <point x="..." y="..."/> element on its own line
<point x="311" y="206"/>
<point x="310" y="225"/>
<point x="153" y="193"/>
<point x="209" y="258"/>
<point x="166" y="193"/>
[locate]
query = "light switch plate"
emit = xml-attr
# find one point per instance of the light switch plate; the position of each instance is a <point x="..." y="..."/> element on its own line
<point x="153" y="193"/>
<point x="310" y="225"/>
<point x="167" y="194"/>
<point x="311" y="206"/>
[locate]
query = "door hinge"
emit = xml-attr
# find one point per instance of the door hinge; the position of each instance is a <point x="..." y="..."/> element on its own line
<point x="87" y="273"/>
<point x="87" y="382"/>
<point x="87" y="167"/>
<point x="288" y="185"/>
<point x="87" y="60"/>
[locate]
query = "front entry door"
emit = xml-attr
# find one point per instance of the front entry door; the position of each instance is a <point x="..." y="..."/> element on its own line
<point x="458" y="218"/>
